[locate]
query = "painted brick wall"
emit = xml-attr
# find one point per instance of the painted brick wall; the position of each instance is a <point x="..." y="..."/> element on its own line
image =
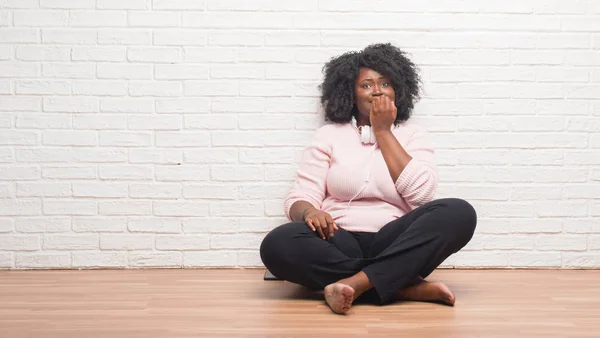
<point x="164" y="133"/>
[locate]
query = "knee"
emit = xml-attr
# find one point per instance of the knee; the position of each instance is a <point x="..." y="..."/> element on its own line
<point x="275" y="247"/>
<point x="462" y="216"/>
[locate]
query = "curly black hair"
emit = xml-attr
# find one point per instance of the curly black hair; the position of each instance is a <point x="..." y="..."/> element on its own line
<point x="337" y="89"/>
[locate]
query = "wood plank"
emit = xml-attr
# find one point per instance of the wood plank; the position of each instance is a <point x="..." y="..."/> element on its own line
<point x="238" y="303"/>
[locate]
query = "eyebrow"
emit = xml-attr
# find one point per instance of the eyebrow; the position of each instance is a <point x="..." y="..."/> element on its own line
<point x="371" y="79"/>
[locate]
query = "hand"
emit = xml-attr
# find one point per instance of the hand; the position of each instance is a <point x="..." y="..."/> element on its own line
<point x="321" y="222"/>
<point x="383" y="113"/>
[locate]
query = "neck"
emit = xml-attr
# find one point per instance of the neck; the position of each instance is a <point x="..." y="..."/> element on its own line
<point x="362" y="120"/>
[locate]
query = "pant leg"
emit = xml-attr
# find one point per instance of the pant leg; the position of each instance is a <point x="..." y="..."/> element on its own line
<point x="295" y="253"/>
<point x="417" y="243"/>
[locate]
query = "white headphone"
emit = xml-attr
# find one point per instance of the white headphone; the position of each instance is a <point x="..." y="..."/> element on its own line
<point x="366" y="133"/>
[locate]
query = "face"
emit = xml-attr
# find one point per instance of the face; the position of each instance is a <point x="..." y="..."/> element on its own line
<point x="368" y="85"/>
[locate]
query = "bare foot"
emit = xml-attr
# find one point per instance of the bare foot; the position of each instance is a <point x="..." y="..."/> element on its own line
<point x="428" y="292"/>
<point x="339" y="297"/>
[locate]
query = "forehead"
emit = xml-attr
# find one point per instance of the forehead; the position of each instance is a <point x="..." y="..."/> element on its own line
<point x="366" y="73"/>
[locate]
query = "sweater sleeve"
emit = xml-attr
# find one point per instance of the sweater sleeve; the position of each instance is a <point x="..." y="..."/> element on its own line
<point x="418" y="182"/>
<point x="311" y="175"/>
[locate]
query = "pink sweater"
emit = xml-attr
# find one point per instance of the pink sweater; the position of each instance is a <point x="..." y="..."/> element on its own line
<point x="334" y="166"/>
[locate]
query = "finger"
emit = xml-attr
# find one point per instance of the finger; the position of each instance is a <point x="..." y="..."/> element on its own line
<point x="330" y="225"/>
<point x="310" y="225"/>
<point x="318" y="227"/>
<point x="324" y="226"/>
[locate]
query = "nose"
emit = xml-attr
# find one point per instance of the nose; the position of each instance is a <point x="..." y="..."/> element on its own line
<point x="376" y="90"/>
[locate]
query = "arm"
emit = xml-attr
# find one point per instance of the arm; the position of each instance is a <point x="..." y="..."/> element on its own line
<point x="413" y="168"/>
<point x="308" y="189"/>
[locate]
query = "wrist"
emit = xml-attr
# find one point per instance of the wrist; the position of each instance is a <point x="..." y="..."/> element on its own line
<point x="382" y="132"/>
<point x="303" y="215"/>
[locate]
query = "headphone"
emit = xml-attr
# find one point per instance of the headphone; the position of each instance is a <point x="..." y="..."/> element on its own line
<point x="366" y="133"/>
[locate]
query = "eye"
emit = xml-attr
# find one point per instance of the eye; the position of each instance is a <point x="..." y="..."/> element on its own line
<point x="385" y="84"/>
<point x="366" y="85"/>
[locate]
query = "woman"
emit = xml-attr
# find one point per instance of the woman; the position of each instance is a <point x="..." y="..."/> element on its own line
<point x="363" y="221"/>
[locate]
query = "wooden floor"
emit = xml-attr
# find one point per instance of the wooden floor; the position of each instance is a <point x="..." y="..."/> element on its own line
<point x="238" y="303"/>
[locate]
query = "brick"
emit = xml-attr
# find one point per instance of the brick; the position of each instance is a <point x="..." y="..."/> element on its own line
<point x="211" y="122"/>
<point x="70" y="207"/>
<point x="274" y="209"/>
<point x="182" y="105"/>
<point x="71" y="104"/>
<point x="296" y="138"/>
<point x="237" y="20"/>
<point x="43" y="225"/>
<point x="265" y="88"/>
<point x="263" y="191"/>
<point x="211" y="88"/>
<point x="122" y="208"/>
<point x="585" y="124"/>
<point x="99" y="88"/>
<point x="180" y="209"/>
<point x="19" y="242"/>
<point x="43" y="260"/>
<point x="236" y="241"/>
<point x="262" y="5"/>
<point x="98" y="18"/>
<point x="250" y="258"/>
<point x="69" y="36"/>
<point x="155" y="259"/>
<point x="156" y="156"/>
<point x="485" y="157"/>
<point x="265" y="55"/>
<point x="182" y="139"/>
<point x="40" y="18"/>
<point x="154" y="19"/>
<point x="562" y="209"/>
<point x="125" y="172"/>
<point x="222" y="208"/>
<point x="537" y="192"/>
<point x="534" y="259"/>
<point x="99" y="121"/>
<point x="217" y="258"/>
<point x="582" y="58"/>
<point x="179" y="242"/>
<point x="210" y="225"/>
<point x="506" y="209"/>
<point x="535" y="226"/>
<point x="124" y="139"/>
<point x="578" y="157"/>
<point x="210" y="155"/>
<point x="260" y="224"/>
<point x="68" y="4"/>
<point x="99" y="189"/>
<point x="71" y="242"/>
<point x="266" y="155"/>
<point x="211" y="192"/>
<point x="33" y="87"/>
<point x="283" y="173"/>
<point x="179" y="4"/>
<point x="117" y="4"/>
<point x="19" y="173"/>
<point x="18" y="35"/>
<point x="99" y="53"/>
<point x="38" y="189"/>
<point x="536" y="157"/>
<point x="549" y="175"/>
<point x="69" y="138"/>
<point x="238" y="138"/>
<point x="238" y="105"/>
<point x="7" y="190"/>
<point x="125" y="36"/>
<point x="6" y="260"/>
<point x="19" y="3"/>
<point x="581" y="91"/>
<point x="154" y="54"/>
<point x="155" y="225"/>
<point x="237" y="71"/>
<point x="43" y="53"/>
<point x="460" y="174"/>
<point x="154" y="122"/>
<point x="180" y="72"/>
<point x="237" y="173"/>
<point x="161" y="89"/>
<point x="179" y="37"/>
<point x="236" y="38"/>
<point x="99" y="155"/>
<point x="182" y="173"/>
<point x="99" y="259"/>
<point x="99" y="224"/>
<point x="18" y="138"/>
<point x="5" y="52"/>
<point x="126" y="242"/>
<point x="155" y="191"/>
<point x="508" y="242"/>
<point x="561" y="75"/>
<point x="561" y="242"/>
<point x="20" y="207"/>
<point x="581" y="191"/>
<point x="71" y="71"/>
<point x="70" y="172"/>
<point x="210" y="54"/>
<point x="127" y="105"/>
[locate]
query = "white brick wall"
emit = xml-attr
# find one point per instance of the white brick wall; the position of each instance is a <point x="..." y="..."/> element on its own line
<point x="164" y="133"/>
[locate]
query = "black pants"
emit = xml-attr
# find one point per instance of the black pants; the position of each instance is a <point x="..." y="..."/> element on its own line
<point x="404" y="249"/>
